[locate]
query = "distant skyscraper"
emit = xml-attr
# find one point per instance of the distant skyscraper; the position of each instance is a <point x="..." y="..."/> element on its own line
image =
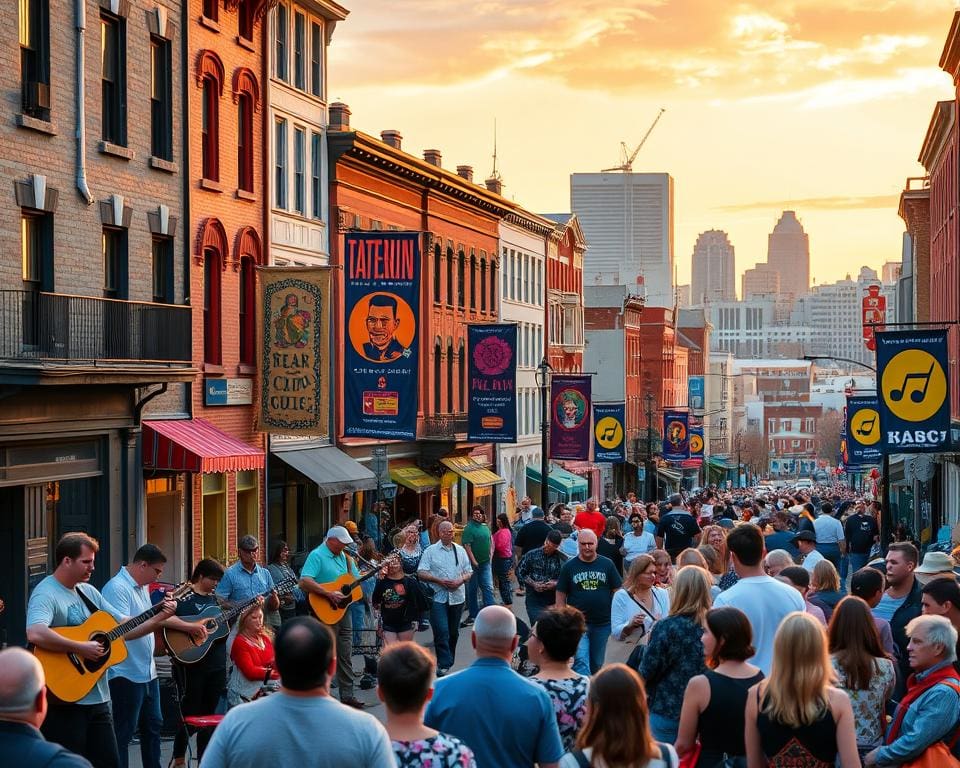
<point x="714" y="273"/>
<point x="683" y="296"/>
<point x="788" y="252"/>
<point x="761" y="280"/>
<point x="627" y="220"/>
<point x="890" y="272"/>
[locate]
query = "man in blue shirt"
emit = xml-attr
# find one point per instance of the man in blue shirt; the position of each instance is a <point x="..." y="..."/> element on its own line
<point x="525" y="730"/>
<point x="246" y="578"/>
<point x="23" y="707"/>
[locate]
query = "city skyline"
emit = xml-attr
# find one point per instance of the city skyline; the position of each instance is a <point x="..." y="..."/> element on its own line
<point x="810" y="107"/>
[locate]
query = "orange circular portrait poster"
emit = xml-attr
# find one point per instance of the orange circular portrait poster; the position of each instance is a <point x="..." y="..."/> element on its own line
<point x="382" y="328"/>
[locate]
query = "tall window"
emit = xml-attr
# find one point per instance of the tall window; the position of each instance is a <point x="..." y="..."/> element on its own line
<point x="437" y="268"/>
<point x="34" y="18"/>
<point x="161" y="99"/>
<point x="461" y="267"/>
<point x="316" y="169"/>
<point x="483" y="285"/>
<point x="211" y="9"/>
<point x="473" y="280"/>
<point x="36" y="249"/>
<point x="247" y="312"/>
<point x="210" y="130"/>
<point x="462" y="362"/>
<point x="437" y="378"/>
<point x="299" y="171"/>
<point x="245" y="142"/>
<point x="280" y="163"/>
<point x="113" y="77"/>
<point x="114" y="247"/>
<point x="450" y="406"/>
<point x="163" y="270"/>
<point x="450" y="269"/>
<point x="280" y="43"/>
<point x="300" y="51"/>
<point x="211" y="306"/>
<point x="492" y="286"/>
<point x="246" y="19"/>
<point x="316" y="59"/>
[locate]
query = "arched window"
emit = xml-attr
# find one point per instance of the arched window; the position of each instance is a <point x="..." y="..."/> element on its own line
<point x="483" y="285"/>
<point x="210" y="80"/>
<point x="437" y="377"/>
<point x="246" y="95"/>
<point x="247" y="311"/>
<point x="437" y="266"/>
<point x="462" y="362"/>
<point x="473" y="279"/>
<point x="449" y="375"/>
<point x="461" y="268"/>
<point x="450" y="299"/>
<point x="492" y="287"/>
<point x="212" y="280"/>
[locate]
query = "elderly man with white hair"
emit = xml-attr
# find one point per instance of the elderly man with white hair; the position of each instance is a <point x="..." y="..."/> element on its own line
<point x="929" y="712"/>
<point x="524" y="730"/>
<point x="23" y="707"/>
<point x="776" y="561"/>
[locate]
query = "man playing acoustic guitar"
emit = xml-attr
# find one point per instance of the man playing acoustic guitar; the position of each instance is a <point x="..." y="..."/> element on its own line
<point x="84" y="727"/>
<point x="325" y="564"/>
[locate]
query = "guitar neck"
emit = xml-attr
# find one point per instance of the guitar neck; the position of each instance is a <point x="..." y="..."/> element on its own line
<point x="130" y="624"/>
<point x="281" y="589"/>
<point x="373" y="571"/>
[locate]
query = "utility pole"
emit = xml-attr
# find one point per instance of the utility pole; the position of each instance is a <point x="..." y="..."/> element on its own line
<point x="651" y="475"/>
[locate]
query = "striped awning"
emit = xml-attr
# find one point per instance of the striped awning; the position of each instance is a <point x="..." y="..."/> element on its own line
<point x="195" y="445"/>
<point x="410" y="476"/>
<point x="471" y="471"/>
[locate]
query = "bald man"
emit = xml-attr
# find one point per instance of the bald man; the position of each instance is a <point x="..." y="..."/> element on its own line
<point x="525" y="731"/>
<point x="23" y="707"/>
<point x="587" y="582"/>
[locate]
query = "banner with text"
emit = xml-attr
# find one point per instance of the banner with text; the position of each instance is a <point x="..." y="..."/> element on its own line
<point x="492" y="410"/>
<point x="294" y="312"/>
<point x="863" y="432"/>
<point x="570" y="417"/>
<point x="696" y="443"/>
<point x="381" y="360"/>
<point x="609" y="433"/>
<point x="676" y="436"/>
<point x="914" y="391"/>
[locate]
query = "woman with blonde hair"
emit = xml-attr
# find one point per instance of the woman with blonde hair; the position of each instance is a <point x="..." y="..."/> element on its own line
<point x="716" y="537"/>
<point x="664" y="567"/>
<point x="825" y="587"/>
<point x="675" y="651"/>
<point x="616" y="732"/>
<point x="796" y="716"/>
<point x="640" y="604"/>
<point x="252" y="657"/>
<point x="691" y="556"/>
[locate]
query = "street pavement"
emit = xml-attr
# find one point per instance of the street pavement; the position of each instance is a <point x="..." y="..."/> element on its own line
<point x="616" y="651"/>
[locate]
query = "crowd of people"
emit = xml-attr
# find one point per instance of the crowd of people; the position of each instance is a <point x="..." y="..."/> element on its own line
<point x="758" y="630"/>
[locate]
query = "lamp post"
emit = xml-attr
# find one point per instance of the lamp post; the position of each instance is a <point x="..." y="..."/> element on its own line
<point x="651" y="476"/>
<point x="543" y="382"/>
<point x="739" y="448"/>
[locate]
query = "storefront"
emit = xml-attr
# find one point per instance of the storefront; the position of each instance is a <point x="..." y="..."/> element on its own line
<point x="562" y="486"/>
<point x="589" y="472"/>
<point x="416" y="491"/>
<point x="466" y="484"/>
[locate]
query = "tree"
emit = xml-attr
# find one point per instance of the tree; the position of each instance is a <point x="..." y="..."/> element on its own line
<point x="829" y="427"/>
<point x="753" y="452"/>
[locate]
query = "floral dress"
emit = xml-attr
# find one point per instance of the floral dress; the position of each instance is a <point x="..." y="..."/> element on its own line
<point x="569" y="697"/>
<point x="869" y="706"/>
<point x="440" y="751"/>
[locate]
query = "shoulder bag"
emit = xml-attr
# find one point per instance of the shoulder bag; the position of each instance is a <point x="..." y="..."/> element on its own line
<point x="636" y="655"/>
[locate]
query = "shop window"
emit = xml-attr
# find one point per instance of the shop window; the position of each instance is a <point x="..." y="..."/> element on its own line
<point x="155" y="485"/>
<point x="214" y="532"/>
<point x="248" y="506"/>
<point x="113" y="79"/>
<point x="34" y="21"/>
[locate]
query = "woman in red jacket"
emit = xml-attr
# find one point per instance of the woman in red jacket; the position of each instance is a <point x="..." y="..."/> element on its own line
<point x="252" y="656"/>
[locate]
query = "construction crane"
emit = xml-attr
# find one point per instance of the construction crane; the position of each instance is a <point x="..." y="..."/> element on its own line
<point x="627" y="157"/>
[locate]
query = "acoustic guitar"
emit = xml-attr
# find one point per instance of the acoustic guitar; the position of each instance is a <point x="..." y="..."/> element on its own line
<point x="324" y="608"/>
<point x="182" y="645"/>
<point x="70" y="677"/>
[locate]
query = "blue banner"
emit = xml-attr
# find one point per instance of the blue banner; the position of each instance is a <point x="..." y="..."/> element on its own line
<point x="570" y="417"/>
<point x="609" y="435"/>
<point x="381" y="292"/>
<point x="862" y="431"/>
<point x="696" y="442"/>
<point x="696" y="393"/>
<point x="914" y="391"/>
<point x="492" y="410"/>
<point x="676" y="436"/>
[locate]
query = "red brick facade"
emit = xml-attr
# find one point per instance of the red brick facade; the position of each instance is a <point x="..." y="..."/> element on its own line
<point x="564" y="306"/>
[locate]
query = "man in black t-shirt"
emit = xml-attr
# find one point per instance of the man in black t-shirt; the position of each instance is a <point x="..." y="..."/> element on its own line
<point x="861" y="531"/>
<point x="677" y="529"/>
<point x="531" y="535"/>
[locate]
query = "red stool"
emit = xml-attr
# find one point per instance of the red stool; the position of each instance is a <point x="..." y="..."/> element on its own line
<point x="199" y="723"/>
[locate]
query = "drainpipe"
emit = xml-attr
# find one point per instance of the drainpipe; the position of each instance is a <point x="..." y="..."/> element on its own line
<point x="81" y="113"/>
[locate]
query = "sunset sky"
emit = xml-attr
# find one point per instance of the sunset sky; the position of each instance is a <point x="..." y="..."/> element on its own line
<point x="816" y="105"/>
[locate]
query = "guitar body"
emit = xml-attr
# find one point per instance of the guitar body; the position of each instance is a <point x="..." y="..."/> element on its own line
<point x="324" y="610"/>
<point x="71" y="677"/>
<point x="182" y="646"/>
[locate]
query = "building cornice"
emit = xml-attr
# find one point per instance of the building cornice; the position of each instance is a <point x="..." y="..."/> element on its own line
<point x="950" y="58"/>
<point x="941" y="126"/>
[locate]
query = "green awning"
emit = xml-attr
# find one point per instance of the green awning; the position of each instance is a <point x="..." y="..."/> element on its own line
<point x="560" y="480"/>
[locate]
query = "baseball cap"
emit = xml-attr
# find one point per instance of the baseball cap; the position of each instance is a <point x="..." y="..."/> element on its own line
<point x="804" y="536"/>
<point x="350" y="526"/>
<point x="339" y="533"/>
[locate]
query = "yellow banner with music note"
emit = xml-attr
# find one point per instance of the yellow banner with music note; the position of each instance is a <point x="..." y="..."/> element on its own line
<point x="609" y="432"/>
<point x="863" y="431"/>
<point x="914" y="391"/>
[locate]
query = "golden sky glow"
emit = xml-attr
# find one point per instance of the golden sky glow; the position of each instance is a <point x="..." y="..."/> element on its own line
<point x="816" y="105"/>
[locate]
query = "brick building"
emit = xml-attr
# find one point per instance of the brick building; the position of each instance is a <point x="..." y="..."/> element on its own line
<point x="564" y="316"/>
<point x="93" y="331"/>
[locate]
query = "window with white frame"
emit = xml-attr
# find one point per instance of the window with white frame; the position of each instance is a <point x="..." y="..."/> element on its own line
<point x="280" y="164"/>
<point x="300" y="170"/>
<point x="299" y="49"/>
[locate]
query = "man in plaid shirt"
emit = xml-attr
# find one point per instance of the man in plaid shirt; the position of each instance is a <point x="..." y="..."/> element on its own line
<point x="538" y="570"/>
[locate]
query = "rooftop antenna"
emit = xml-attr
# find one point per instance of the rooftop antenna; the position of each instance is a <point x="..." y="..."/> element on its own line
<point x="495" y="174"/>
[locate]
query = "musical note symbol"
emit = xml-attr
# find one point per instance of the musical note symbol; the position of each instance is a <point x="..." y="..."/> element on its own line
<point x="918" y="394"/>
<point x="867" y="427"/>
<point x="608" y="434"/>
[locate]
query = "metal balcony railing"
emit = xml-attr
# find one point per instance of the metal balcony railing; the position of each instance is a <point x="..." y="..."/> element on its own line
<point x="446" y="427"/>
<point x="52" y="326"/>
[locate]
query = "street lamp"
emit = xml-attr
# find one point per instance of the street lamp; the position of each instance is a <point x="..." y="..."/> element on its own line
<point x="651" y="479"/>
<point x="739" y="448"/>
<point x="543" y="382"/>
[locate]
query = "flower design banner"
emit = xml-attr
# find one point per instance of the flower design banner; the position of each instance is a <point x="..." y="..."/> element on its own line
<point x="381" y="291"/>
<point x="570" y="434"/>
<point x="492" y="409"/>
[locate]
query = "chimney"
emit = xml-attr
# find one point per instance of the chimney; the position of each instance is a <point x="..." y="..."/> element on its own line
<point x="495" y="185"/>
<point x="339" y="117"/>
<point x="432" y="156"/>
<point x="392" y="138"/>
<point x="465" y="172"/>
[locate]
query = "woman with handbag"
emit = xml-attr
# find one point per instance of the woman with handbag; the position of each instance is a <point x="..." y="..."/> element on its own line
<point x="711" y="719"/>
<point x="638" y="605"/>
<point x="409" y="545"/>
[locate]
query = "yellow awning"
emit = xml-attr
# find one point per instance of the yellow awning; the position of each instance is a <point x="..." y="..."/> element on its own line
<point x="414" y="478"/>
<point x="472" y="472"/>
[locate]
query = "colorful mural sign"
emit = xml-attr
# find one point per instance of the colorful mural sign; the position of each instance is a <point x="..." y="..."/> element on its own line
<point x="492" y="388"/>
<point x="570" y="417"/>
<point x="676" y="436"/>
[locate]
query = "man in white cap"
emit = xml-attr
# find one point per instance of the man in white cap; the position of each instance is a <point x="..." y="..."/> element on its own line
<point x="935" y="565"/>
<point x="327" y="563"/>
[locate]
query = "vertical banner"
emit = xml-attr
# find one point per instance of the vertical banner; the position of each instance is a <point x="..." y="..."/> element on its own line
<point x="294" y="314"/>
<point x="609" y="433"/>
<point x="914" y="391"/>
<point x="570" y="417"/>
<point x="676" y="436"/>
<point x="381" y="359"/>
<point x="863" y="430"/>
<point x="874" y="310"/>
<point x="696" y="393"/>
<point x="492" y="409"/>
<point x="696" y="443"/>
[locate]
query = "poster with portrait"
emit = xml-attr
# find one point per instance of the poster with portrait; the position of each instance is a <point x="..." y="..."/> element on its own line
<point x="492" y="375"/>
<point x="570" y="434"/>
<point x="676" y="436"/>
<point x="381" y="291"/>
<point x="293" y="328"/>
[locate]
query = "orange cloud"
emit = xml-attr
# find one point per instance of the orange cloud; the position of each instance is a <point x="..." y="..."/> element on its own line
<point x="831" y="203"/>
